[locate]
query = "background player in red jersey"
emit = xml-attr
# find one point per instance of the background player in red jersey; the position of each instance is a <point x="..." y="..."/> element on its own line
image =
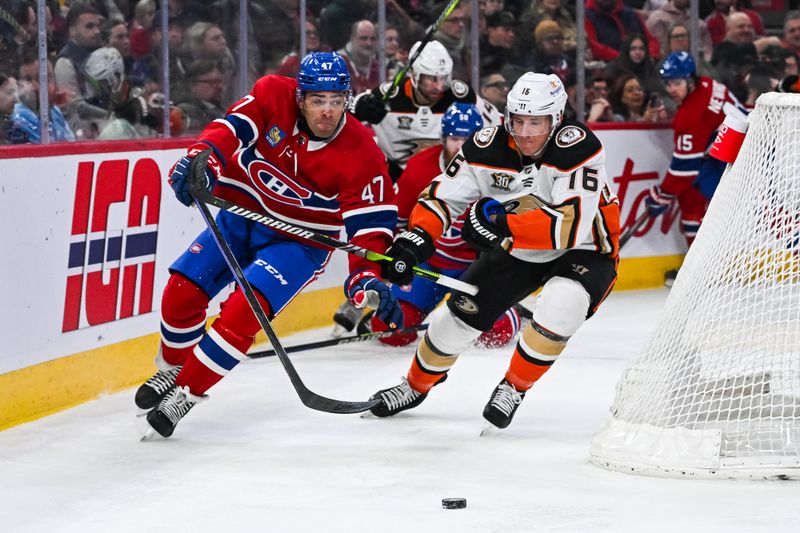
<point x="287" y="149"/>
<point x="692" y="177"/>
<point x="453" y="255"/>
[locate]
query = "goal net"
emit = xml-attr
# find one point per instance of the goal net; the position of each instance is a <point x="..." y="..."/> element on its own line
<point x="716" y="390"/>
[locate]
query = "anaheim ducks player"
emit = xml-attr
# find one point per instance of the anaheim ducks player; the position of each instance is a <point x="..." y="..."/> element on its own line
<point x="411" y="119"/>
<point x="544" y="216"/>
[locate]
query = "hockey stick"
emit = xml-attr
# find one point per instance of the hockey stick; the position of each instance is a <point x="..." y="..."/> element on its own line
<point x="309" y="398"/>
<point x="425" y="40"/>
<point x="341" y="340"/>
<point x="523" y="311"/>
<point x="323" y="239"/>
<point x="637" y="224"/>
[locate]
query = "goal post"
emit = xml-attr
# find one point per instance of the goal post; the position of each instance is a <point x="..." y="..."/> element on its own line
<point x="716" y="390"/>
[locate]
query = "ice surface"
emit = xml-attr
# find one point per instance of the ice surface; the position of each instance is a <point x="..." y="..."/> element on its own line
<point x="252" y="458"/>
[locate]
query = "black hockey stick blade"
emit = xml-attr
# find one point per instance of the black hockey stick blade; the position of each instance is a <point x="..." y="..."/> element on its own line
<point x="341" y="340"/>
<point x="637" y="224"/>
<point x="309" y="398"/>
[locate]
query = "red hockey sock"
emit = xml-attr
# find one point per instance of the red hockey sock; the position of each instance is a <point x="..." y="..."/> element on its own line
<point x="183" y="318"/>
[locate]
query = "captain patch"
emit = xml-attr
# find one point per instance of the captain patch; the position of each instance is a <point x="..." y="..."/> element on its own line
<point x="274" y="136"/>
<point x="569" y="136"/>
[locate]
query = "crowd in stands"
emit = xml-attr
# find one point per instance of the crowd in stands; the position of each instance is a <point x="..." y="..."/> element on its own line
<point x="105" y="70"/>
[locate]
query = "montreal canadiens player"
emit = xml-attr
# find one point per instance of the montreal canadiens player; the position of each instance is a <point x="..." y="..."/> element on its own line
<point x="692" y="177"/>
<point x="453" y="255"/>
<point x="544" y="216"/>
<point x="290" y="150"/>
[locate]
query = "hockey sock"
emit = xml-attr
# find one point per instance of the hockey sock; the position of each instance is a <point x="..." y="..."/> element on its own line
<point x="224" y="346"/>
<point x="429" y="367"/>
<point x="183" y="318"/>
<point x="412" y="316"/>
<point x="536" y="351"/>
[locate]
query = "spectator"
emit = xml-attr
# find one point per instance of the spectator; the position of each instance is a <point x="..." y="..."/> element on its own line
<point x="275" y="31"/>
<point x="548" y="56"/>
<point x="83" y="22"/>
<point x="716" y="22"/>
<point x="599" y="108"/>
<point x="627" y="99"/>
<point x="207" y="41"/>
<point x="26" y="112"/>
<point x="453" y="35"/>
<point x="202" y="104"/>
<point x="678" y="40"/>
<point x="781" y="60"/>
<point x="490" y="7"/>
<point x="494" y="89"/>
<point x="8" y="99"/>
<point x="759" y="80"/>
<point x="497" y="46"/>
<point x="338" y="17"/>
<point x="119" y="38"/>
<point x="291" y="63"/>
<point x="141" y="34"/>
<point x="179" y="55"/>
<point x="791" y="32"/>
<point x="540" y="10"/>
<point x="360" y="55"/>
<point x="608" y="22"/>
<point x="673" y="12"/>
<point x="634" y="58"/>
<point x="392" y="50"/>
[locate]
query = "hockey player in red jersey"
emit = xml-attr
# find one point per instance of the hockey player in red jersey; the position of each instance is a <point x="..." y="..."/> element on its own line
<point x="692" y="177"/>
<point x="453" y="255"/>
<point x="544" y="217"/>
<point x="287" y="149"/>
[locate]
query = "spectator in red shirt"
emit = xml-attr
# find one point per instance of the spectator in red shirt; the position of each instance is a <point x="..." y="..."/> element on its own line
<point x="608" y="22"/>
<point x="716" y="21"/>
<point x="791" y="32"/>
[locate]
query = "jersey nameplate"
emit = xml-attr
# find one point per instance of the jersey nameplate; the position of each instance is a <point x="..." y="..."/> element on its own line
<point x="569" y="136"/>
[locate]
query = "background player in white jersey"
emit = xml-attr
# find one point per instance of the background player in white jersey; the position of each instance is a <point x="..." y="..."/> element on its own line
<point x="545" y="217"/>
<point x="410" y="119"/>
<point x="287" y="149"/>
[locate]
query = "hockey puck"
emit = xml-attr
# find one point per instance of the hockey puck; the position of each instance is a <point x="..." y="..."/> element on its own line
<point x="454" y="503"/>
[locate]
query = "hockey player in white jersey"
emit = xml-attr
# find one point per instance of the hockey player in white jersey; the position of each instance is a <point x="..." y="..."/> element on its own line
<point x="410" y="118"/>
<point x="539" y="207"/>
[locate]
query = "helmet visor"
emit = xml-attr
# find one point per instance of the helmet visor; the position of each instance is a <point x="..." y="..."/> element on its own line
<point x="529" y="126"/>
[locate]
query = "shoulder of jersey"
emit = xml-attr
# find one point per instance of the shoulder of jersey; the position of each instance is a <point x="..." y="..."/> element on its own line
<point x="398" y="101"/>
<point x="572" y="145"/>
<point x="490" y="147"/>
<point x="459" y="92"/>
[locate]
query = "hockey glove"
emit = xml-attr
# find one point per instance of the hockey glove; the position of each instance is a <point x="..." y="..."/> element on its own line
<point x="179" y="175"/>
<point x="364" y="289"/>
<point x="409" y="249"/>
<point x="485" y="226"/>
<point x="370" y="107"/>
<point x="657" y="201"/>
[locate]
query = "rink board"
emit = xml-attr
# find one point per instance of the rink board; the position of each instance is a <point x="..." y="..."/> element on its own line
<point x="91" y="228"/>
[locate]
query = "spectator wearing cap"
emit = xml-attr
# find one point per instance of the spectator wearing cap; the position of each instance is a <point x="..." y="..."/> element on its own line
<point x="608" y="22"/>
<point x="554" y="10"/>
<point x="494" y="89"/>
<point x="497" y="45"/>
<point x="673" y="12"/>
<point x="791" y="32"/>
<point x="548" y="57"/>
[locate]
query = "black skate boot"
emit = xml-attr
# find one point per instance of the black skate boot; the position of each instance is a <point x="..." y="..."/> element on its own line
<point x="396" y="399"/>
<point x="345" y="318"/>
<point x="153" y="390"/>
<point x="176" y="403"/>
<point x="503" y="404"/>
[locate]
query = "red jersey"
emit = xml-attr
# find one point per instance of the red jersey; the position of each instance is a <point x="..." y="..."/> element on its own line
<point x="421" y="169"/>
<point x="270" y="164"/>
<point x="694" y="128"/>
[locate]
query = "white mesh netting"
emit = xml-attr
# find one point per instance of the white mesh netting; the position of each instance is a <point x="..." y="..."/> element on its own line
<point x="716" y="390"/>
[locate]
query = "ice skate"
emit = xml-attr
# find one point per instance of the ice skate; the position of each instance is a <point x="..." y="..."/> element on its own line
<point x="176" y="403"/>
<point x="153" y="390"/>
<point x="396" y="399"/>
<point x="503" y="404"/>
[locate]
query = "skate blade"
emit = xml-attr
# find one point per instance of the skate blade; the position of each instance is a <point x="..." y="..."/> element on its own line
<point x="489" y="429"/>
<point x="367" y="414"/>
<point x="142" y="412"/>
<point x="150" y="434"/>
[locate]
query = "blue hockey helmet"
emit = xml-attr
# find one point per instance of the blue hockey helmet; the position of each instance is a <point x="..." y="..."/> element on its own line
<point x="461" y="119"/>
<point x="323" y="71"/>
<point x="678" y="65"/>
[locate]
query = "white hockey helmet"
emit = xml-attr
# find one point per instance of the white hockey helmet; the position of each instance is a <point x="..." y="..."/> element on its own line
<point x="537" y="95"/>
<point x="105" y="64"/>
<point x="433" y="60"/>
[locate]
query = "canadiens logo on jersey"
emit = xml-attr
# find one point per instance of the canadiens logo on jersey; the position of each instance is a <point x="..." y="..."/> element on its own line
<point x="502" y="181"/>
<point x="276" y="184"/>
<point x="404" y="123"/>
<point x="274" y="136"/>
<point x="569" y="136"/>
